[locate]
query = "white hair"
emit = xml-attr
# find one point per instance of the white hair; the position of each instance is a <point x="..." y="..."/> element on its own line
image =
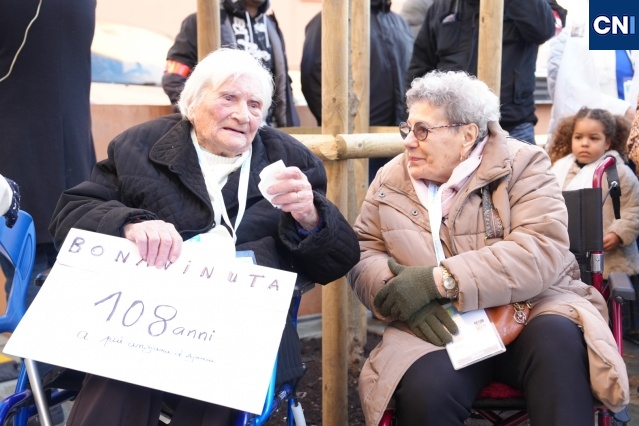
<point x="216" y="69"/>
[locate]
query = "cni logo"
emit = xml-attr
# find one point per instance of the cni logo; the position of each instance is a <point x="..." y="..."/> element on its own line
<point x="614" y="24"/>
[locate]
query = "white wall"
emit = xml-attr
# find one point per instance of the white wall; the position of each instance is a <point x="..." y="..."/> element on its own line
<point x="162" y="16"/>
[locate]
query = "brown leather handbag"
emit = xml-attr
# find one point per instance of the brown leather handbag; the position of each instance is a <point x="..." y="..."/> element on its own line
<point x="509" y="319"/>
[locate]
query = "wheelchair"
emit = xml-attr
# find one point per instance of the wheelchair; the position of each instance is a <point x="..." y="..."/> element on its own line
<point x="36" y="393"/>
<point x="17" y="244"/>
<point x="505" y="406"/>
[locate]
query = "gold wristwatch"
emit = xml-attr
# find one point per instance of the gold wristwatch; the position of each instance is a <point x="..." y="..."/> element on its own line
<point x="452" y="291"/>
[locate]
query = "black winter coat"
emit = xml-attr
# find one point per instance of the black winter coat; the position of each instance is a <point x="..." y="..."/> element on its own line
<point x="46" y="144"/>
<point x="453" y="45"/>
<point x="391" y="45"/>
<point x="152" y="172"/>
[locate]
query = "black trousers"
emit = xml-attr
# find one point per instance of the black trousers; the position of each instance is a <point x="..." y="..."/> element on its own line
<point x="548" y="361"/>
<point x="107" y="402"/>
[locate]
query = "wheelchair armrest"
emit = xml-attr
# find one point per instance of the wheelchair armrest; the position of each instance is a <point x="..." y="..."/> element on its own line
<point x="41" y="277"/>
<point x="620" y="287"/>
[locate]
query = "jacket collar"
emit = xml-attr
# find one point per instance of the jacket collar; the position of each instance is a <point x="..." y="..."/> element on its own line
<point x="175" y="151"/>
<point x="495" y="158"/>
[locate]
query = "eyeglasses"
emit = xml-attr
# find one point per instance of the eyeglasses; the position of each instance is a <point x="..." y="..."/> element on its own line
<point x="420" y="129"/>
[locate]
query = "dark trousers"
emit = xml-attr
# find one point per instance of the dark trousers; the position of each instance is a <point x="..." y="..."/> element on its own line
<point x="548" y="361"/>
<point x="524" y="132"/>
<point x="107" y="402"/>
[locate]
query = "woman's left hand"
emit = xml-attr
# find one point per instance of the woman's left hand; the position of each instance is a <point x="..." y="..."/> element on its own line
<point x="295" y="196"/>
<point x="611" y="241"/>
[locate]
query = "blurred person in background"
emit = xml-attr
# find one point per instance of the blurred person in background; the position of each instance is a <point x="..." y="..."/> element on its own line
<point x="448" y="40"/>
<point x="391" y="44"/>
<point x="45" y="80"/>
<point x="579" y="77"/>
<point x="244" y="25"/>
<point x="414" y="12"/>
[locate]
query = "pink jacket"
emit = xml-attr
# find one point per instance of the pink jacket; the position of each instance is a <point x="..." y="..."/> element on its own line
<point x="532" y="261"/>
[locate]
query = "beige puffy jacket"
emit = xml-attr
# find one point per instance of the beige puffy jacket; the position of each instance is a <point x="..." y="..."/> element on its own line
<point x="531" y="261"/>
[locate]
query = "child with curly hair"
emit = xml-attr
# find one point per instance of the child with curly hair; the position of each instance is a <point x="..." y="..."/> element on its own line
<point x="580" y="143"/>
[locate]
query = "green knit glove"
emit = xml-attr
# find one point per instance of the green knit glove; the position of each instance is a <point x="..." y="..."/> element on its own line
<point x="433" y="324"/>
<point x="412" y="288"/>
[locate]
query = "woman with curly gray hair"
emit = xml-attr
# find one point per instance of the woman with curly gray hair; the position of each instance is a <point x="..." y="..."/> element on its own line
<point x="471" y="217"/>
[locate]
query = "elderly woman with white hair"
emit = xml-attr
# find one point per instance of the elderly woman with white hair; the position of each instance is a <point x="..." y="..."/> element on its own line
<point x="469" y="216"/>
<point x="197" y="173"/>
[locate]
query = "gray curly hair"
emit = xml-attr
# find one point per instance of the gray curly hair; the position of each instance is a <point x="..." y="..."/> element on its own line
<point x="464" y="98"/>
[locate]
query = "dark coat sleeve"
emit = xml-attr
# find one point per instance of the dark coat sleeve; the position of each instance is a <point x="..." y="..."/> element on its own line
<point x="311" y="67"/>
<point x="533" y="19"/>
<point x="424" y="56"/>
<point x="330" y="253"/>
<point x="173" y="84"/>
<point x="184" y="51"/>
<point x="323" y="256"/>
<point x="96" y="205"/>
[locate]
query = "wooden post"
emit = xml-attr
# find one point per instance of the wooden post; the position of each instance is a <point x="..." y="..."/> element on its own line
<point x="360" y="99"/>
<point x="491" y="21"/>
<point x="359" y="103"/>
<point x="335" y="295"/>
<point x="208" y="27"/>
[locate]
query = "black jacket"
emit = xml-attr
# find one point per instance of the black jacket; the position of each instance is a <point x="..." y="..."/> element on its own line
<point x="453" y="45"/>
<point x="46" y="145"/>
<point x="152" y="172"/>
<point x="184" y="51"/>
<point x="391" y="45"/>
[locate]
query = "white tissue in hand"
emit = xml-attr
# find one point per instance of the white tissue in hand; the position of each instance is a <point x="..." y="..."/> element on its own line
<point x="267" y="178"/>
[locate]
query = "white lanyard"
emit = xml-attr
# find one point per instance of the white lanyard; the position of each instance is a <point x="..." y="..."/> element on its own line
<point x="216" y="192"/>
<point x="434" y="205"/>
<point x="242" y="192"/>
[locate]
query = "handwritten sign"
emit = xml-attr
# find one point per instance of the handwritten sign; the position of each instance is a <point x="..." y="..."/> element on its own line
<point x="200" y="327"/>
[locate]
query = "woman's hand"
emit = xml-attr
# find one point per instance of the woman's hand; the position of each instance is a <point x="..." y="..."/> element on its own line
<point x="295" y="196"/>
<point x="158" y="241"/>
<point x="611" y="241"/>
<point x="412" y="288"/>
<point x="433" y="324"/>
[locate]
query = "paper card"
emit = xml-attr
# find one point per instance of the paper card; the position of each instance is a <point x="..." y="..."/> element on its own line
<point x="267" y="178"/>
<point x="477" y="339"/>
<point x="199" y="328"/>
